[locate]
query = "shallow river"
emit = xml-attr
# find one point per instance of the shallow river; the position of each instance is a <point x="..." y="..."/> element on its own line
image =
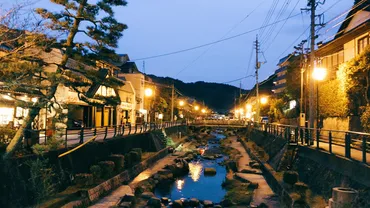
<point x="196" y="184"/>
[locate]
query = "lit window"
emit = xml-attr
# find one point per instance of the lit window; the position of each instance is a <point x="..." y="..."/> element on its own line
<point x="362" y="43"/>
<point x="6" y="115"/>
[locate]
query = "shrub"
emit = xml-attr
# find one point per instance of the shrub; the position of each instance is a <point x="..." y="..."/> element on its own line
<point x="40" y="149"/>
<point x="290" y="177"/>
<point x="41" y="179"/>
<point x="51" y="144"/>
<point x="107" y="168"/>
<point x="54" y="143"/>
<point x="128" y="161"/>
<point x="134" y="156"/>
<point x="96" y="171"/>
<point x="83" y="179"/>
<point x="139" y="151"/>
<point x="119" y="161"/>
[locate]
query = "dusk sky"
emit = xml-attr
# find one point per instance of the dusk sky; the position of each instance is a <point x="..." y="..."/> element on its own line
<point x="164" y="26"/>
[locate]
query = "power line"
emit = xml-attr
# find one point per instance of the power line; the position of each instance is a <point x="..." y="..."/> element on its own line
<point x="306" y="31"/>
<point x="281" y="28"/>
<point x="228" y="32"/>
<point x="237" y="79"/>
<point x="211" y="43"/>
<point x="272" y="28"/>
<point x="268" y="17"/>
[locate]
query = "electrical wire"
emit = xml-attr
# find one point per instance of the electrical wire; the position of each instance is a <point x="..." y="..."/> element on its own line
<point x="340" y="23"/>
<point x="227" y="33"/>
<point x="268" y="17"/>
<point x="210" y="43"/>
<point x="237" y="79"/>
<point x="281" y="28"/>
<point x="272" y="28"/>
<point x="335" y="3"/>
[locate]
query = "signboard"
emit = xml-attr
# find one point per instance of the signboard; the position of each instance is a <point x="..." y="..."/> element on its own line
<point x="126" y="105"/>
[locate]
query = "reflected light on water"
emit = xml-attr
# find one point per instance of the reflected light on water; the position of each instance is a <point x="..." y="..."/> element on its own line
<point x="195" y="171"/>
<point x="180" y="184"/>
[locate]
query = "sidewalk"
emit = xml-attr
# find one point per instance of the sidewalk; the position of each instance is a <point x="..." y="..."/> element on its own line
<point x="340" y="150"/>
<point x="263" y="194"/>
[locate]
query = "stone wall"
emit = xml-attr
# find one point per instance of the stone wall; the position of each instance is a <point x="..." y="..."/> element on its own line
<point x="15" y="174"/>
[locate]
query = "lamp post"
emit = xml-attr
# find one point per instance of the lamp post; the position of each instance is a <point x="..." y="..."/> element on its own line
<point x="318" y="74"/>
<point x="148" y="93"/>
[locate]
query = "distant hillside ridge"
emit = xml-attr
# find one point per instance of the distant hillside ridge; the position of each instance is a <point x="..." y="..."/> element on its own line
<point x="218" y="97"/>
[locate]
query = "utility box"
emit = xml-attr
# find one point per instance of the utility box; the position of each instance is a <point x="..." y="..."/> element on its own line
<point x="302" y="119"/>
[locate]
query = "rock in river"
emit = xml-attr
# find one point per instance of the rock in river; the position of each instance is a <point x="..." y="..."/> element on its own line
<point x="208" y="203"/>
<point x="154" y="202"/>
<point x="177" y="204"/>
<point x="209" y="171"/>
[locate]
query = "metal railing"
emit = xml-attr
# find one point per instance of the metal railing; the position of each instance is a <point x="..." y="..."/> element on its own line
<point x="220" y="122"/>
<point x="74" y="136"/>
<point x="352" y="145"/>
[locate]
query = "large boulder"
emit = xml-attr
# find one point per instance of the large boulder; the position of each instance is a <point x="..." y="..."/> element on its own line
<point x="232" y="165"/>
<point x="147" y="195"/>
<point x="290" y="177"/>
<point x="194" y="202"/>
<point x="177" y="204"/>
<point x="154" y="202"/>
<point x="210" y="171"/>
<point x="208" y="203"/>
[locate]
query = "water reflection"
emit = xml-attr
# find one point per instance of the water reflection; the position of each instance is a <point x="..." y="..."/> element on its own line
<point x="195" y="170"/>
<point x="180" y="184"/>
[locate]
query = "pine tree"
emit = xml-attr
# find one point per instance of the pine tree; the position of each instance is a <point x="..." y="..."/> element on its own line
<point x="76" y="69"/>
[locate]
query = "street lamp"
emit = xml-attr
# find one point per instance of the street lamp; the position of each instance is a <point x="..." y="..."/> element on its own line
<point x="196" y="108"/>
<point x="181" y="103"/>
<point x="204" y="110"/>
<point x="148" y="92"/>
<point x="318" y="74"/>
<point x="264" y="100"/>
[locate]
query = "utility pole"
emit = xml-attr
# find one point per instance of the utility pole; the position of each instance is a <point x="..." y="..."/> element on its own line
<point x="172" y="101"/>
<point x="144" y="67"/>
<point x="312" y="4"/>
<point x="257" y="93"/>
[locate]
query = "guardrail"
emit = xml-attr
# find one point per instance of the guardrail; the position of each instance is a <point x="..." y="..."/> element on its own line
<point x="73" y="136"/>
<point x="220" y="122"/>
<point x="353" y="145"/>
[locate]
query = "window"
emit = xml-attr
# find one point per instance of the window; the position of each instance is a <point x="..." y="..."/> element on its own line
<point x="362" y="43"/>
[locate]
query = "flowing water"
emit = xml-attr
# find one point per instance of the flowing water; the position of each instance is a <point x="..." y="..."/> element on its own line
<point x="196" y="184"/>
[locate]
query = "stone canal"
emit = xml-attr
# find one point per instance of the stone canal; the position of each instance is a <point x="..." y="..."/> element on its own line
<point x="209" y="169"/>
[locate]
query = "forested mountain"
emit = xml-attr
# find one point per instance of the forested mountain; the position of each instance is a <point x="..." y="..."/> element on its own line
<point x="219" y="97"/>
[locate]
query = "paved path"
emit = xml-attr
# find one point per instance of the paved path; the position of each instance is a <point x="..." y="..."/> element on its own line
<point x="340" y="150"/>
<point x="113" y="198"/>
<point x="263" y="194"/>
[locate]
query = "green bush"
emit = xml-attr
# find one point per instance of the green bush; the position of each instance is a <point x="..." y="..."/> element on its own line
<point x="128" y="161"/>
<point x="83" y="179"/>
<point x="290" y="177"/>
<point x="170" y="142"/>
<point x="96" y="171"/>
<point x="40" y="149"/>
<point x="139" y="151"/>
<point x="107" y="168"/>
<point x="51" y="144"/>
<point x="41" y="179"/>
<point x="135" y="157"/>
<point x="119" y="161"/>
